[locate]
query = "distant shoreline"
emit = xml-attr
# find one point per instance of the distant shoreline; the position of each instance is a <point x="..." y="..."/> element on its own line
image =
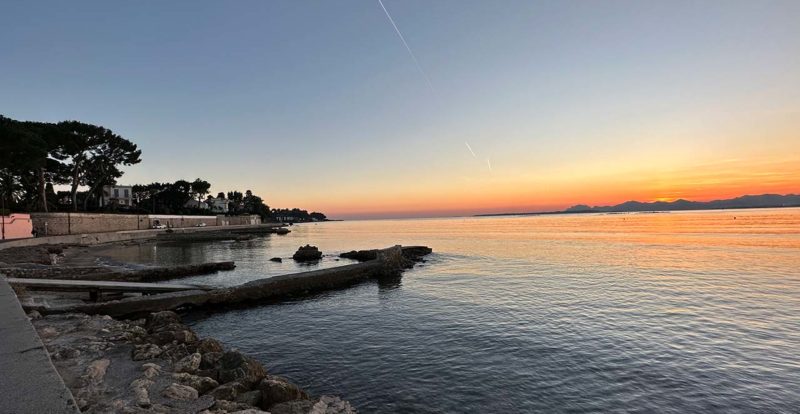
<point x="547" y="213"/>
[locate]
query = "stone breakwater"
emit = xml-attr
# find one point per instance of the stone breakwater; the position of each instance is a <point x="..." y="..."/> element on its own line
<point x="389" y="263"/>
<point x="159" y="365"/>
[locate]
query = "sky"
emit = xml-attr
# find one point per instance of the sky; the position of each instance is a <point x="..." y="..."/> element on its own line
<point x="509" y="106"/>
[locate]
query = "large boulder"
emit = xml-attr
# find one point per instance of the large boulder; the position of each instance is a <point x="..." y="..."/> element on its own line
<point x="307" y="253"/>
<point x="235" y="366"/>
<point x="158" y="319"/>
<point x="275" y="390"/>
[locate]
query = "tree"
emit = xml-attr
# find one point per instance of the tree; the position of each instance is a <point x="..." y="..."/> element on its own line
<point x="221" y="195"/>
<point x="200" y="187"/>
<point x="109" y="151"/>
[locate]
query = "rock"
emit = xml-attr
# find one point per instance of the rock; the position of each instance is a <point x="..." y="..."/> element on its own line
<point x="292" y="407"/>
<point x="140" y="392"/>
<point x="212" y="373"/>
<point x="151" y="370"/>
<point x="228" y="391"/>
<point x="201" y="384"/>
<point x="250" y="398"/>
<point x="34" y="315"/>
<point x="48" y="332"/>
<point x="276" y="259"/>
<point x="96" y="371"/>
<point x="207" y="345"/>
<point x="180" y="392"/>
<point x="250" y="411"/>
<point x="66" y="353"/>
<point x="158" y="319"/>
<point x="361" y="255"/>
<point x="307" y="253"/>
<point x="180" y="336"/>
<point x="235" y="366"/>
<point x="331" y="405"/>
<point x="210" y="360"/>
<point x="190" y="364"/>
<point x="275" y="390"/>
<point x="229" y="406"/>
<point x="146" y="351"/>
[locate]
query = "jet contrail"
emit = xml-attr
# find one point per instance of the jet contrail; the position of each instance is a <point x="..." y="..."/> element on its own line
<point x="470" y="150"/>
<point x="410" y="52"/>
<point x="489" y="163"/>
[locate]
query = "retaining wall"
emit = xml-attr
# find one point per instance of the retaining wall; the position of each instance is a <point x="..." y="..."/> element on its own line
<point x="58" y="224"/>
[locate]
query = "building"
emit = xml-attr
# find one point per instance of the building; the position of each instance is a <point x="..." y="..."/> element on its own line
<point x="202" y="205"/>
<point x="218" y="205"/>
<point x="121" y="195"/>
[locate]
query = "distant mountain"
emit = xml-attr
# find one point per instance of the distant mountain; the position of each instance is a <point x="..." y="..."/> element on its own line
<point x="747" y="201"/>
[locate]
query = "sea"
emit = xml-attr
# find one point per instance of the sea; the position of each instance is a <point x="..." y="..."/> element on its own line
<point x="664" y="312"/>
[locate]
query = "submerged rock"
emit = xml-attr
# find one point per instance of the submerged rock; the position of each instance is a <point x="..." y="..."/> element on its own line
<point x="307" y="253"/>
<point x="276" y="259"/>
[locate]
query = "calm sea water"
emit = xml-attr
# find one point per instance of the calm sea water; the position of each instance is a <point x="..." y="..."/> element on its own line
<point x="669" y="312"/>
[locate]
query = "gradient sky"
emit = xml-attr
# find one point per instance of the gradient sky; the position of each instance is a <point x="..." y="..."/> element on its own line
<point x="317" y="104"/>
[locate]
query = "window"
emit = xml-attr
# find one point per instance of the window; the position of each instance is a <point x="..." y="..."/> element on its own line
<point x="127" y="194"/>
<point x="116" y="193"/>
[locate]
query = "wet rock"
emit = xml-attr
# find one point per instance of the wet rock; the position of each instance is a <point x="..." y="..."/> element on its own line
<point x="201" y="384"/>
<point x="275" y="390"/>
<point x="228" y="391"/>
<point x="146" y="351"/>
<point x="307" y="253"/>
<point x="190" y="364"/>
<point x="250" y="398"/>
<point x="34" y="315"/>
<point x="209" y="345"/>
<point x="235" y="366"/>
<point x="276" y="259"/>
<point x="180" y="392"/>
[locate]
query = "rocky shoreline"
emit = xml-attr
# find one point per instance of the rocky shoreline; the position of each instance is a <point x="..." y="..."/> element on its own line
<point x="159" y="365"/>
<point x="156" y="364"/>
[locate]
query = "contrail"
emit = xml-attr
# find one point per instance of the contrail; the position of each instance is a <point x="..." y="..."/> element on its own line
<point x="410" y="52"/>
<point x="470" y="150"/>
<point x="489" y="163"/>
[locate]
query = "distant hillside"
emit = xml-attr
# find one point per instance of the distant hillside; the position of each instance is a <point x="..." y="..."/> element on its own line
<point x="748" y="201"/>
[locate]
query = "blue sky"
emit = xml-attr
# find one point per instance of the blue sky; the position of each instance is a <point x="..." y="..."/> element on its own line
<point x="317" y="104"/>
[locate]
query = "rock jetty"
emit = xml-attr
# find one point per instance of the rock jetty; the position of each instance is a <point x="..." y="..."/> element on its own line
<point x="159" y="365"/>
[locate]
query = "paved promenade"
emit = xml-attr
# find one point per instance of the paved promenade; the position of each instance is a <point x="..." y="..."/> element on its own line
<point x="29" y="382"/>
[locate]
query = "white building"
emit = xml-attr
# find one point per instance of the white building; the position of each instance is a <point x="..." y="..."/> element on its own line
<point x="218" y="205"/>
<point x="121" y="195"/>
<point x="202" y="205"/>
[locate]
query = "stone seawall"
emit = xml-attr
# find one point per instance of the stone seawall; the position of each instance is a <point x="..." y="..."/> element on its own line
<point x="57" y="224"/>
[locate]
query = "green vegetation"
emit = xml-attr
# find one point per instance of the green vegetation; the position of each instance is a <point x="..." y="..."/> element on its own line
<point x="37" y="156"/>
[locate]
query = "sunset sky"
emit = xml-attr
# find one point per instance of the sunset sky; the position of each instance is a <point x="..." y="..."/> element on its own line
<point x="319" y="105"/>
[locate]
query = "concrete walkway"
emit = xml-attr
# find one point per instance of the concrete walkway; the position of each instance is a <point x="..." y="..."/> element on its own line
<point x="29" y="383"/>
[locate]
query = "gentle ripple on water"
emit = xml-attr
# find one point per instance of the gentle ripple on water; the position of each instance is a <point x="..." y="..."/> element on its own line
<point x="680" y="312"/>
